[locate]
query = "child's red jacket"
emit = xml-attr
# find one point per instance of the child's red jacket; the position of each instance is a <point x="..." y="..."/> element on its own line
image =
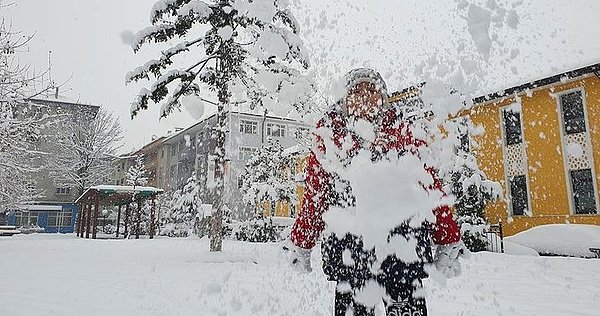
<point x="317" y="196"/>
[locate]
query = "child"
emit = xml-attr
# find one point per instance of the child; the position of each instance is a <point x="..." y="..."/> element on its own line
<point x="346" y="260"/>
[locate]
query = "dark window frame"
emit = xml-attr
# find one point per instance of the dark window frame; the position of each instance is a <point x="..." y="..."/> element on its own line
<point x="513" y="127"/>
<point x="572" y="112"/>
<point x="586" y="205"/>
<point x="519" y="196"/>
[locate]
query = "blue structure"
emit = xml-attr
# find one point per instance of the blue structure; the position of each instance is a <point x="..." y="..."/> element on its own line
<point x="52" y="218"/>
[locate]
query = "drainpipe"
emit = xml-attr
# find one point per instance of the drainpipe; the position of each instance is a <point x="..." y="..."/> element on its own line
<point x="262" y="132"/>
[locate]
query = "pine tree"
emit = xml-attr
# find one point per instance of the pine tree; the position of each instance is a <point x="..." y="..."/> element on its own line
<point x="137" y="174"/>
<point x="250" y="52"/>
<point x="471" y="190"/>
<point x="179" y="219"/>
<point x="266" y="177"/>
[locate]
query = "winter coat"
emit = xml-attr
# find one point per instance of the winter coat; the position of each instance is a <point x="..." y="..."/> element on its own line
<point x="323" y="191"/>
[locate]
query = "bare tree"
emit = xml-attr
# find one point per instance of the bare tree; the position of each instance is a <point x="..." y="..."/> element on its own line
<point x="19" y="128"/>
<point x="88" y="150"/>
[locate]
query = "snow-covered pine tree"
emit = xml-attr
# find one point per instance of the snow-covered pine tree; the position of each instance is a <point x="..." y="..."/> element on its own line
<point x="179" y="219"/>
<point x="471" y="189"/>
<point x="137" y="174"/>
<point x="266" y="178"/>
<point x="249" y="51"/>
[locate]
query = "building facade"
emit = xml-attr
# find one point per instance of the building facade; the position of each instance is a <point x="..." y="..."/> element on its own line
<point x="173" y="159"/>
<point x="542" y="143"/>
<point x="54" y="210"/>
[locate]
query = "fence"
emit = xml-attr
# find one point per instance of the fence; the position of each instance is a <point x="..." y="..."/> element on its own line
<point x="495" y="238"/>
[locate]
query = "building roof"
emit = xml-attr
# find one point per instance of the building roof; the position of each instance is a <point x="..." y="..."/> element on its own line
<point x="591" y="69"/>
<point x="61" y="102"/>
<point x="118" y="194"/>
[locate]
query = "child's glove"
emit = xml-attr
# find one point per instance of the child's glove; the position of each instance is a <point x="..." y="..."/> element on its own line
<point x="446" y="258"/>
<point x="299" y="257"/>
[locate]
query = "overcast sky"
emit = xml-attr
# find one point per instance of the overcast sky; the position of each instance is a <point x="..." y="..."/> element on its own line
<point x="84" y="37"/>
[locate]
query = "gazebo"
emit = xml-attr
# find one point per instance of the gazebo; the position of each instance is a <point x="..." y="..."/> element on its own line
<point x="114" y="195"/>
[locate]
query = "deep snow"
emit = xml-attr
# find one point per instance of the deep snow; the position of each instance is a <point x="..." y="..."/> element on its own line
<point x="63" y="275"/>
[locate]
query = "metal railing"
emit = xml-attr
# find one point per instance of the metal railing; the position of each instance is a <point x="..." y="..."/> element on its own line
<point x="495" y="238"/>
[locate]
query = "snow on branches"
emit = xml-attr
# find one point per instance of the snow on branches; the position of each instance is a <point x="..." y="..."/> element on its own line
<point x="180" y="216"/>
<point x="137" y="174"/>
<point x="243" y="51"/>
<point x="252" y="46"/>
<point x="266" y="177"/>
<point x="88" y="150"/>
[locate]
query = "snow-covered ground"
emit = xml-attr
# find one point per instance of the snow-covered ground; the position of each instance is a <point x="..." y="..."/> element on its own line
<point x="63" y="275"/>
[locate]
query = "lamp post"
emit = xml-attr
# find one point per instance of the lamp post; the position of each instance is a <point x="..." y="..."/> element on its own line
<point x="104" y="213"/>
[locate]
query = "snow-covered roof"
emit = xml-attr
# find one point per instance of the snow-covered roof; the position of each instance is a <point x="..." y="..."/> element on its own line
<point x="40" y="207"/>
<point x="125" y="189"/>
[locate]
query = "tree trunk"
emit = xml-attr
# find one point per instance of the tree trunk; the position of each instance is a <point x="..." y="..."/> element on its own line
<point x="216" y="222"/>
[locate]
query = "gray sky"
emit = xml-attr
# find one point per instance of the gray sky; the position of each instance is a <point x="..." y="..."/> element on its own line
<point x="554" y="35"/>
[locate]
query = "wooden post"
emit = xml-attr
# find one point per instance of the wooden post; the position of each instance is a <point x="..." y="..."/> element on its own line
<point x="96" y="213"/>
<point x="118" y="220"/>
<point x="88" y="220"/>
<point x="139" y="219"/>
<point x="152" y="212"/>
<point x="127" y="211"/>
<point x="79" y="220"/>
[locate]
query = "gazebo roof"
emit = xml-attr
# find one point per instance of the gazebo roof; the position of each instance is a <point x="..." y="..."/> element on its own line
<point x="118" y="194"/>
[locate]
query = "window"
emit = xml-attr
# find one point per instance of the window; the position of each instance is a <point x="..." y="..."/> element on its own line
<point x="582" y="184"/>
<point x="240" y="181"/>
<point x="572" y="112"/>
<point x="59" y="219"/>
<point x="26" y="219"/>
<point x="63" y="191"/>
<point x="518" y="195"/>
<point x="173" y="150"/>
<point x="300" y="132"/>
<point x="512" y="126"/>
<point x="277" y="130"/>
<point x="248" y="127"/>
<point x="246" y="152"/>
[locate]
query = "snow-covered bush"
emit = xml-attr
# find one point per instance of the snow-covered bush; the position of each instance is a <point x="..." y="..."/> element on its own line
<point x="259" y="229"/>
<point x="266" y="177"/>
<point x="181" y="216"/>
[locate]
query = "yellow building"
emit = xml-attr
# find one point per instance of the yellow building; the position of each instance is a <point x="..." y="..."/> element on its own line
<point x="298" y="159"/>
<point x="542" y="143"/>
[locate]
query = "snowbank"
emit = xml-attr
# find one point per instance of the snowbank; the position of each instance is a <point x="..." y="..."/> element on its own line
<point x="560" y="239"/>
<point x="510" y="248"/>
<point x="52" y="274"/>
